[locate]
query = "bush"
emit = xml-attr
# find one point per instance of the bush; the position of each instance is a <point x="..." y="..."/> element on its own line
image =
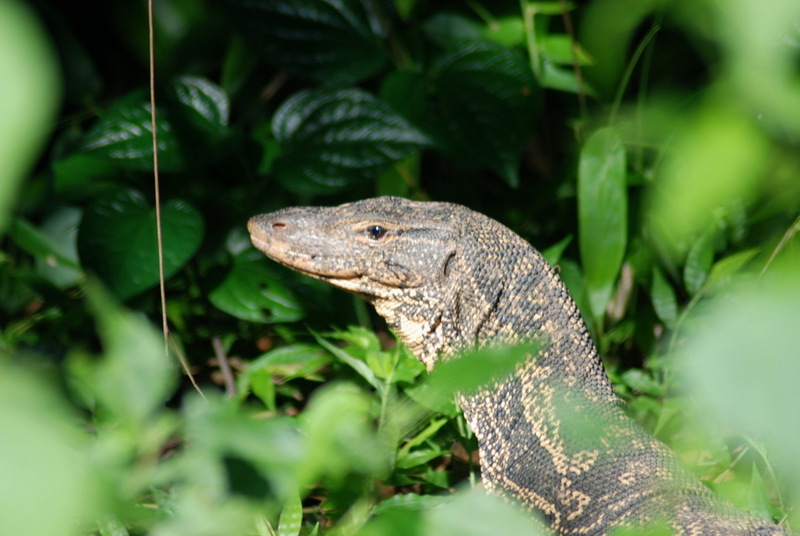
<point x="650" y="149"/>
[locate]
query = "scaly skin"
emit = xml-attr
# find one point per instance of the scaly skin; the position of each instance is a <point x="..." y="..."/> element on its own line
<point x="553" y="436"/>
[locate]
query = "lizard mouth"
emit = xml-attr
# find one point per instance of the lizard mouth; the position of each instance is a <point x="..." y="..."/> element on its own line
<point x="328" y="269"/>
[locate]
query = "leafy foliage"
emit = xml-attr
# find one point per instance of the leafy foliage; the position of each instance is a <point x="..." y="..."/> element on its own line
<point x="649" y="150"/>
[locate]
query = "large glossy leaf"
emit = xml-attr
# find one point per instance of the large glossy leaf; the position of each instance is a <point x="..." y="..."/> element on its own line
<point x="484" y="109"/>
<point x="117" y="240"/>
<point x="253" y="291"/>
<point x="333" y="138"/>
<point x="602" y="214"/>
<point x="192" y="127"/>
<point x="334" y="41"/>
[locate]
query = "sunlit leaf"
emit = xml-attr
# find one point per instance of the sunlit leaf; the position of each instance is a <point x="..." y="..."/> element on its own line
<point x="42" y="455"/>
<point x="29" y="96"/>
<point x="713" y="167"/>
<point x="291" y="517"/>
<point x="602" y="214"/>
<point x="135" y="377"/>
<point x="742" y="362"/>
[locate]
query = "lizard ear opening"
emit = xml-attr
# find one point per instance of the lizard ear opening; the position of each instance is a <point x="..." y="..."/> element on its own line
<point x="448" y="264"/>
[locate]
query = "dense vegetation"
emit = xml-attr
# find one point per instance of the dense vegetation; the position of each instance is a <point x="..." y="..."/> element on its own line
<point x="651" y="149"/>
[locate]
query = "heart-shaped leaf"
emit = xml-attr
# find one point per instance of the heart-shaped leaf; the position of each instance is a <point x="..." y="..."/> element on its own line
<point x="192" y="127"/>
<point x="484" y="110"/>
<point x="334" y="138"/>
<point x="117" y="240"/>
<point x="253" y="292"/>
<point x="338" y="42"/>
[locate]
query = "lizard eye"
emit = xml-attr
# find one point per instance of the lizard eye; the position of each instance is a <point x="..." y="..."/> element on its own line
<point x="375" y="232"/>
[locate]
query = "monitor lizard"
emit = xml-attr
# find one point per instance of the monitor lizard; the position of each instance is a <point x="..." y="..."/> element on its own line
<point x="553" y="435"/>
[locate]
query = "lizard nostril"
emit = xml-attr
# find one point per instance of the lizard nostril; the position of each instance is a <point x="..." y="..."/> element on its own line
<point x="278" y="225"/>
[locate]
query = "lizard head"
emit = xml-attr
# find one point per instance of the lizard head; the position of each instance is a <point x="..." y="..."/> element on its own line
<point x="397" y="254"/>
<point x="374" y="248"/>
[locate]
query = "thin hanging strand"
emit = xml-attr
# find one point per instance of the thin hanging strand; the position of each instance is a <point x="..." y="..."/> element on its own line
<point x="157" y="186"/>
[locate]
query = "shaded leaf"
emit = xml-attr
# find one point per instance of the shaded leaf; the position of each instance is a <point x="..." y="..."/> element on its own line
<point x="117" y="240"/>
<point x="484" y="109"/>
<point x="334" y="138"/>
<point x="333" y="41"/>
<point x="192" y="126"/>
<point x="553" y="254"/>
<point x="253" y="291"/>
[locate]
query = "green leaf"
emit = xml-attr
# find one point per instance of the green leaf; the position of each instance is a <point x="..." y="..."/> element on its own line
<point x="40" y="245"/>
<point x="448" y="30"/>
<point x="253" y="291"/>
<point x="61" y="230"/>
<point x="475" y="513"/>
<point x="291" y="517"/>
<point x="602" y="215"/>
<point x="641" y="381"/>
<point x="715" y="166"/>
<point x="340" y="439"/>
<point x="548" y="8"/>
<point x="421" y="437"/>
<point x="356" y="364"/>
<point x="281" y="365"/>
<point x="29" y="96"/>
<point x="484" y="109"/>
<point x="724" y="270"/>
<point x="663" y="297"/>
<point x="135" y="377"/>
<point x="43" y="453"/>
<point x="471" y="371"/>
<point x="558" y="48"/>
<point x="741" y="362"/>
<point x="333" y="41"/>
<point x="192" y="127"/>
<point x="117" y="240"/>
<point x="553" y="254"/>
<point x="332" y="139"/>
<point x="417" y="457"/>
<point x="698" y="263"/>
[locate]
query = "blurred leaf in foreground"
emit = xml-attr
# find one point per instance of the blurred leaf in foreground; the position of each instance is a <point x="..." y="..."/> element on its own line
<point x="28" y="96"/>
<point x="742" y="361"/>
<point x="46" y="486"/>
